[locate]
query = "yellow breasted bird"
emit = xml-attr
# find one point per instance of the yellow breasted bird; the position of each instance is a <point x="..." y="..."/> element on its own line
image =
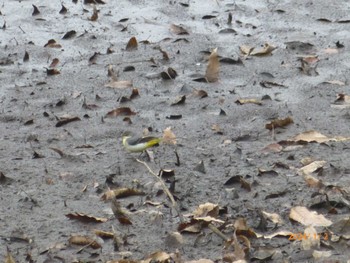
<point x="139" y="144"/>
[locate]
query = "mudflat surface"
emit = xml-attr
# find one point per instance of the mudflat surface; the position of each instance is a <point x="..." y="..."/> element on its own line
<point x="51" y="168"/>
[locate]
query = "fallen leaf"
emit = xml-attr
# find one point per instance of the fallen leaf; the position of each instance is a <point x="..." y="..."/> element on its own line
<point x="54" y="63"/>
<point x="178" y="30"/>
<point x="65" y="120"/>
<point x="35" y="11"/>
<point x="9" y="258"/>
<point x="312" y="167"/>
<point x="94" y="16"/>
<point x="273" y="217"/>
<point x="86" y="218"/>
<point x="308" y="218"/>
<point x="52" y="44"/>
<point x="169" y="74"/>
<point x="212" y="72"/>
<point x="309" y="65"/>
<point x="120" y="193"/>
<point x="63" y="10"/>
<point x="315" y="136"/>
<point x="317" y="255"/>
<point x="84" y="241"/>
<point x="207" y="209"/>
<point x="266" y="50"/>
<point x="132" y="44"/>
<point x="52" y="71"/>
<point x="103" y="234"/>
<point x="120" y="213"/>
<point x="278" y="123"/>
<point x="26" y="56"/>
<point x="179" y="101"/>
<point x="248" y="101"/>
<point x="168" y="136"/>
<point x="335" y="82"/>
<point x="246" y="50"/>
<point x="69" y="34"/>
<point x="93" y="58"/>
<point x="123" y="111"/>
<point x="200" y="93"/>
<point x="121" y="84"/>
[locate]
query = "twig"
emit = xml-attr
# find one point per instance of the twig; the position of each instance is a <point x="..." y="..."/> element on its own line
<point x="166" y="190"/>
<point x="177" y="158"/>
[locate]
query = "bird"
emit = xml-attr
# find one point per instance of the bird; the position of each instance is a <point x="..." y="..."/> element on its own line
<point x="139" y="144"/>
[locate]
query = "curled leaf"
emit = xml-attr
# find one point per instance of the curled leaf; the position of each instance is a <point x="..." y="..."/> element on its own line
<point x="212" y="72"/>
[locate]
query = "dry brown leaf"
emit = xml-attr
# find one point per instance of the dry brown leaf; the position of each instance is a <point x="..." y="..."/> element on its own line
<point x="315" y="136"/>
<point x="132" y="44"/>
<point x="273" y="217"/>
<point x="273" y="147"/>
<point x="246" y="50"/>
<point x="52" y="71"/>
<point x="121" y="84"/>
<point x="266" y="50"/>
<point x="178" y="30"/>
<point x="160" y="256"/>
<point x="54" y="63"/>
<point x="312" y="167"/>
<point x="200" y="93"/>
<point x="277" y="123"/>
<point x="121" y="111"/>
<point x="52" y="44"/>
<point x="94" y="16"/>
<point x="120" y="213"/>
<point x="202" y="260"/>
<point x="86" y="218"/>
<point x="103" y="234"/>
<point x="207" y="209"/>
<point x="9" y="258"/>
<point x="310" y="241"/>
<point x="283" y="233"/>
<point x="308" y="218"/>
<point x="247" y="101"/>
<point x="212" y="72"/>
<point x="168" y="136"/>
<point x="84" y="241"/>
<point x="66" y="119"/>
<point x="208" y="219"/>
<point x="120" y="193"/>
<point x="317" y="255"/>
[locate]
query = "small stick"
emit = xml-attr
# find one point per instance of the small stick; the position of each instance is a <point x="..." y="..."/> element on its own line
<point x="166" y="190"/>
<point x="177" y="158"/>
<point x="218" y="232"/>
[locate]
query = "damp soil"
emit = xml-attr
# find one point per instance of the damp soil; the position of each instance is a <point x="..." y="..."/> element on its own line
<point x="52" y="169"/>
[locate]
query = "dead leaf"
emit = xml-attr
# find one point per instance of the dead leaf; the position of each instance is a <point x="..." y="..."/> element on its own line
<point x="120" y="193"/>
<point x="93" y="58"/>
<point x="169" y="74"/>
<point x="94" y="16"/>
<point x="63" y="10"/>
<point x="35" y="11"/>
<point x="52" y="44"/>
<point x="65" y="120"/>
<point x="52" y="71"/>
<point x="132" y="44"/>
<point x="86" y="218"/>
<point x="273" y="217"/>
<point x="122" y="111"/>
<point x="309" y="65"/>
<point x="103" y="234"/>
<point x="315" y="136"/>
<point x="246" y="50"/>
<point x="120" y="213"/>
<point x="26" y="56"/>
<point x="308" y="218"/>
<point x="247" y="101"/>
<point x="165" y="55"/>
<point x="178" y="30"/>
<point x="168" y="136"/>
<point x="84" y="241"/>
<point x="200" y="93"/>
<point x="277" y="123"/>
<point x="312" y="167"/>
<point x="179" y="101"/>
<point x="9" y="258"/>
<point x="69" y="34"/>
<point x="54" y="63"/>
<point x="318" y="255"/>
<point x="266" y="50"/>
<point x="212" y="72"/>
<point x="207" y="209"/>
<point x="121" y="84"/>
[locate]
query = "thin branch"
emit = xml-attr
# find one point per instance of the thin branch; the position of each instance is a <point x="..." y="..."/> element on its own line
<point x="165" y="188"/>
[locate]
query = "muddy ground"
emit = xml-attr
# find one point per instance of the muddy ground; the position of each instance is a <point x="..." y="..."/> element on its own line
<point x="53" y="171"/>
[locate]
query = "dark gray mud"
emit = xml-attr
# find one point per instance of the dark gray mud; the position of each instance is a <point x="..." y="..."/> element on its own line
<point x="42" y="186"/>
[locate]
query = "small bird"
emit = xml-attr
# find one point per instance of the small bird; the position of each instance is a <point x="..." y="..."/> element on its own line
<point x="139" y="144"/>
